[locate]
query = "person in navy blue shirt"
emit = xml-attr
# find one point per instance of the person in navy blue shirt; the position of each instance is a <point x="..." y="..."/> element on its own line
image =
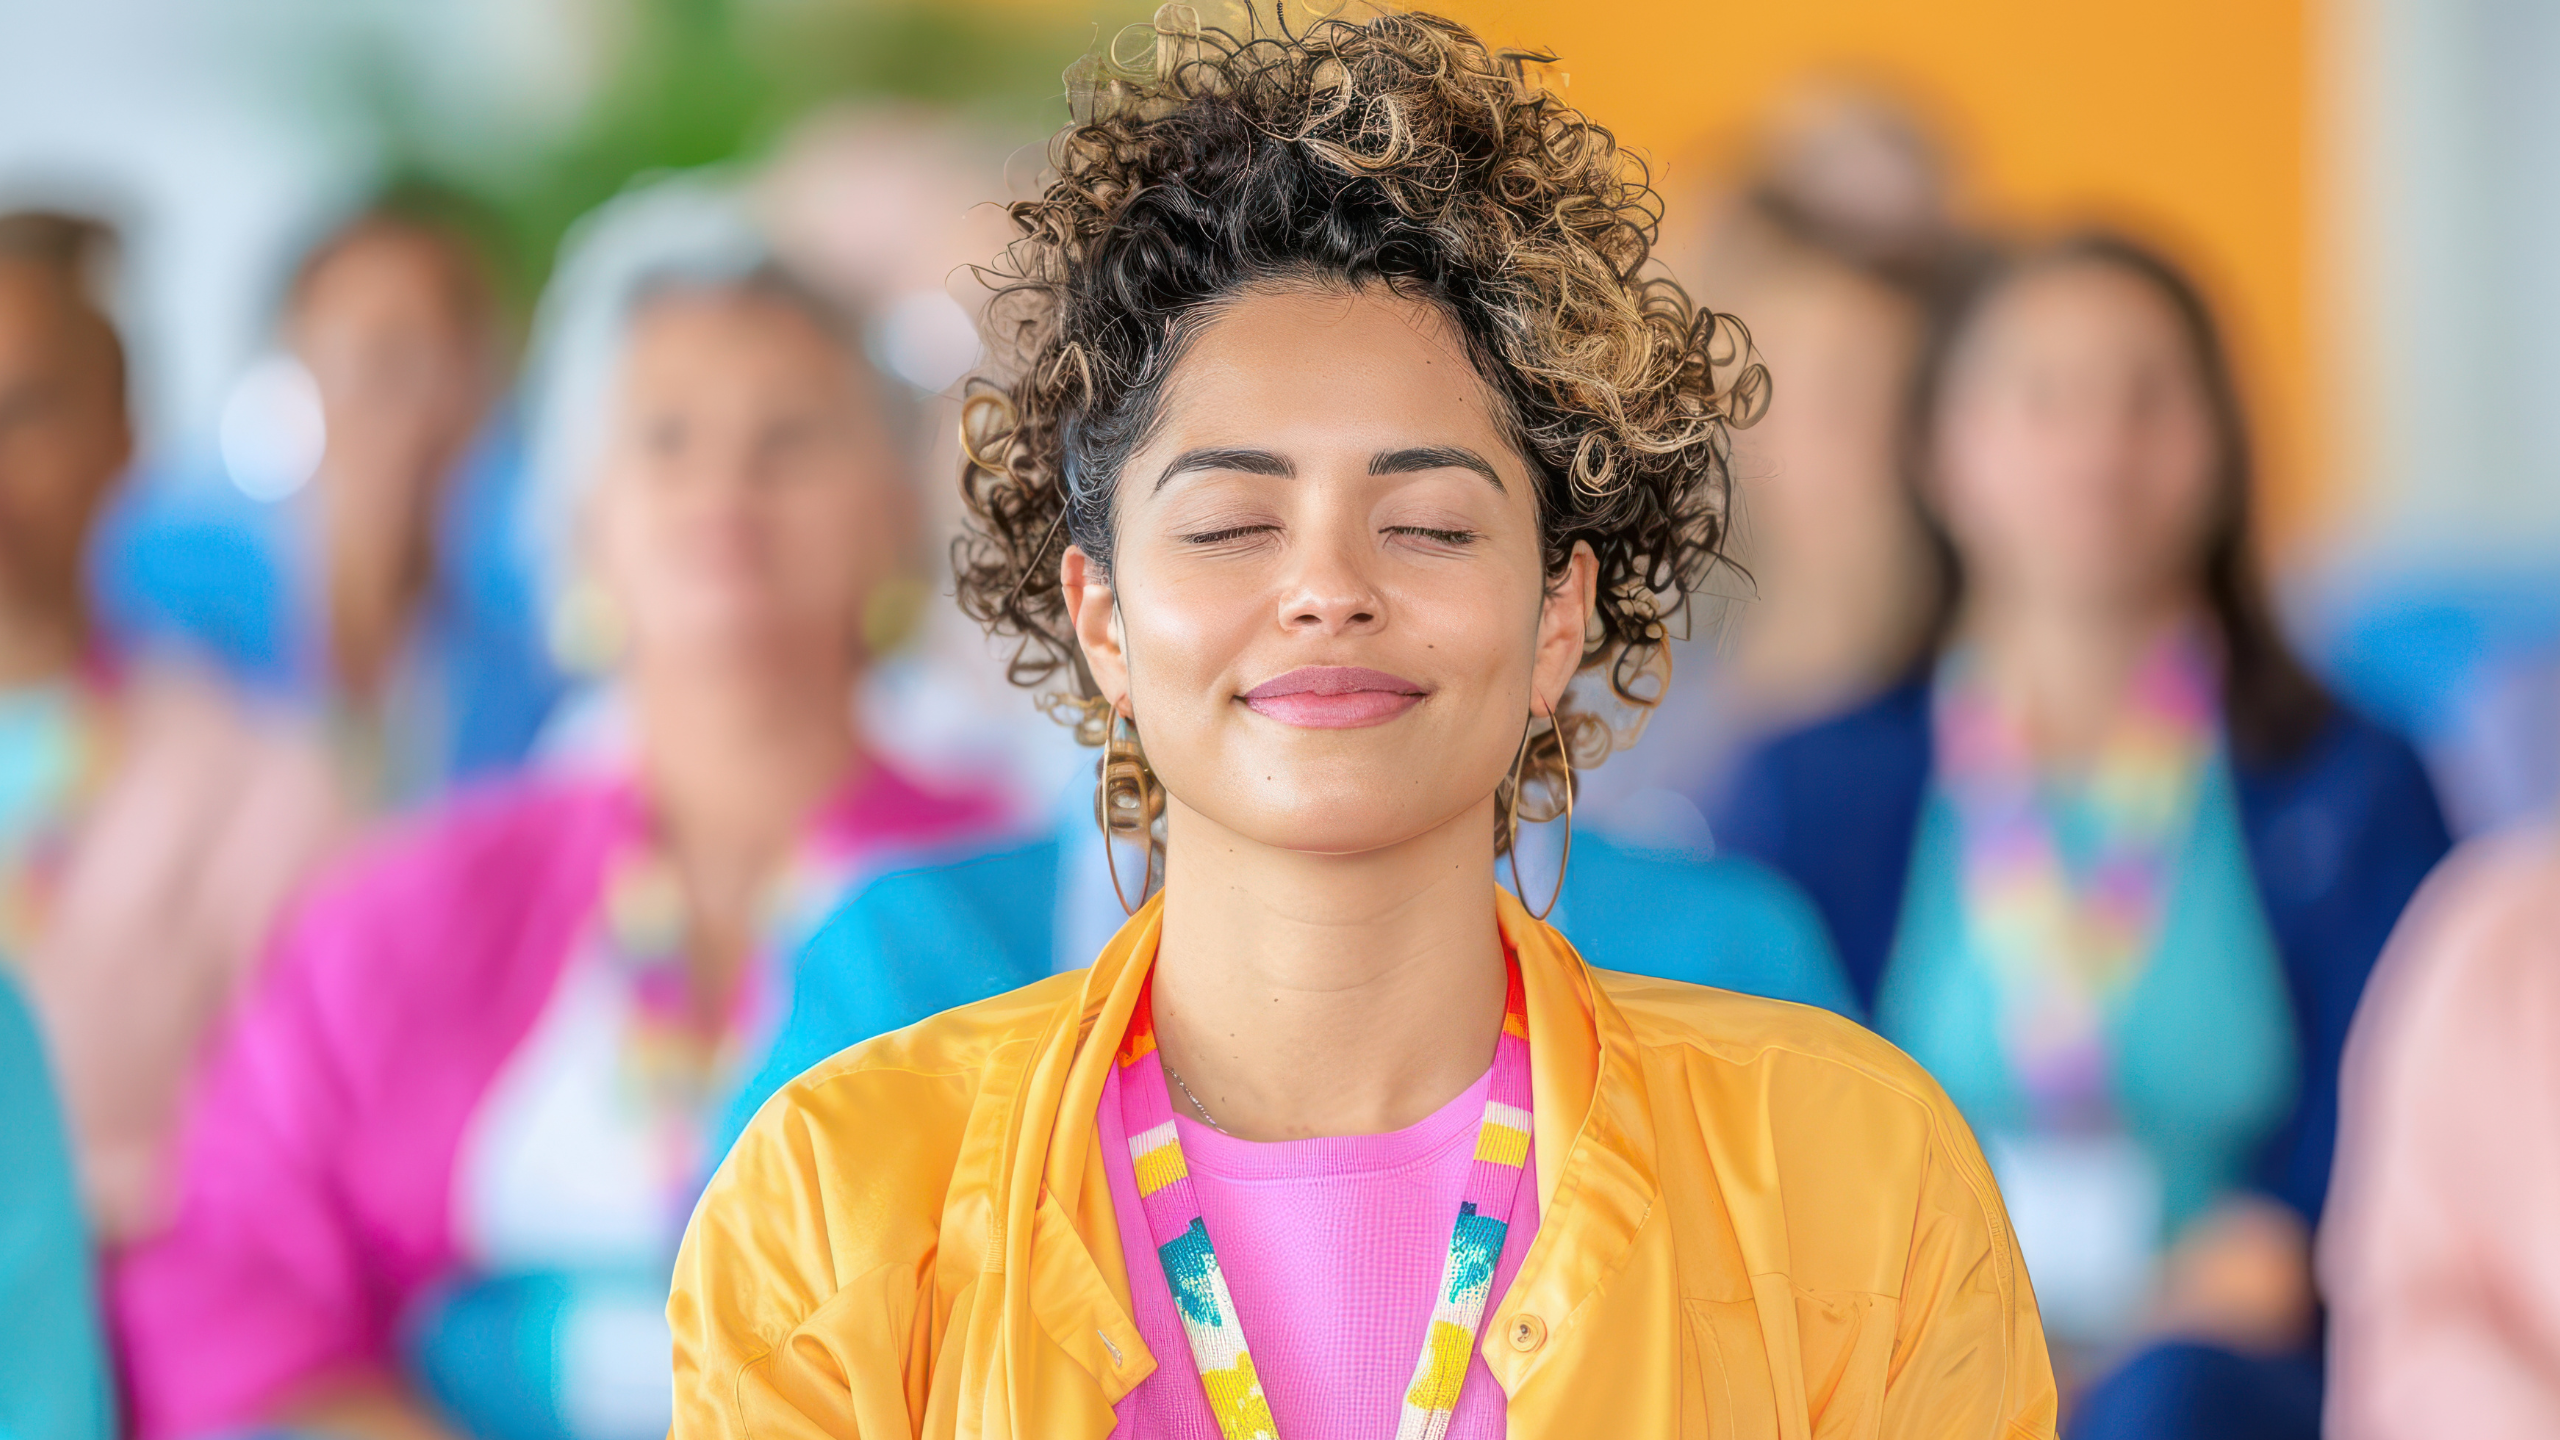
<point x="2111" y="862"/>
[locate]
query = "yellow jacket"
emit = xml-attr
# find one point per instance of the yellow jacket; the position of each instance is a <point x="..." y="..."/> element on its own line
<point x="1756" y="1220"/>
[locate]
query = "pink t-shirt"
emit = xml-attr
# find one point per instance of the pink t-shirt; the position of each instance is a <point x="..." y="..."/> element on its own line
<point x="1331" y="1248"/>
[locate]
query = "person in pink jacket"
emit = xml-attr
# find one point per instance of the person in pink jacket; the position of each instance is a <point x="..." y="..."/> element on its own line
<point x="436" y="1179"/>
<point x="2441" y="1256"/>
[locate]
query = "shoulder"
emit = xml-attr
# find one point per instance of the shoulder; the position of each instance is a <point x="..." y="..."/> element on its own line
<point x="490" y="832"/>
<point x="465" y="909"/>
<point x="1726" y="1028"/>
<point x="839" y="1098"/>
<point x="1818" y="1130"/>
<point x="1868" y="761"/>
<point x="890" y="807"/>
<point x="978" y="910"/>
<point x="2349" y="819"/>
<point x="2352" y="761"/>
<point x="875" y="1133"/>
<point x="1891" y="723"/>
<point x="1729" y="921"/>
<point x="2478" y="953"/>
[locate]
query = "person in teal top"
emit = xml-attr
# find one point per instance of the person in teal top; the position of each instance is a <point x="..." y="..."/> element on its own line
<point x="982" y="924"/>
<point x="2202" y="1064"/>
<point x="53" y="1371"/>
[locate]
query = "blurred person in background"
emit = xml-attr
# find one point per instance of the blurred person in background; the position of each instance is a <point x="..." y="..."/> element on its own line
<point x="438" y="1176"/>
<point x="151" y="825"/>
<point x="397" y="319"/>
<point x="1831" y="242"/>
<point x="2113" y="867"/>
<point x="377" y="589"/>
<point x="53" y="1364"/>
<point x="2441" y="1254"/>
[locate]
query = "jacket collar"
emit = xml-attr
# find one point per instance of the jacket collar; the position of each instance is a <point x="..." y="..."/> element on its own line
<point x="1055" y="1240"/>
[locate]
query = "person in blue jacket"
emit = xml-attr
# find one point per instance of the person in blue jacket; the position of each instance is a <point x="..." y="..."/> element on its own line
<point x="53" y="1370"/>
<point x="2113" y="865"/>
<point x="980" y="924"/>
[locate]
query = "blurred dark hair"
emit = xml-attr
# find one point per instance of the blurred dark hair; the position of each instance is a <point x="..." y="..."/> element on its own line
<point x="2271" y="704"/>
<point x="79" y="253"/>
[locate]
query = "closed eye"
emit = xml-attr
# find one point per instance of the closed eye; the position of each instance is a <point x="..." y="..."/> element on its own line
<point x="1232" y="533"/>
<point x="1442" y="537"/>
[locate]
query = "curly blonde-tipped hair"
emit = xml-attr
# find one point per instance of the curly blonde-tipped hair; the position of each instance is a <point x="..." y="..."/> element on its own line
<point x="1395" y="150"/>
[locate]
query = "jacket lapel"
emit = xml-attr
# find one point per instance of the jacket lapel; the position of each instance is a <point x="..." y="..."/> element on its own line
<point x="1593" y="1137"/>
<point x="1050" y="1331"/>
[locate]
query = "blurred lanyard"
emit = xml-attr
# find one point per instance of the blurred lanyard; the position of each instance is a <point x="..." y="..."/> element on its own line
<point x="678" y="1071"/>
<point x="54" y="748"/>
<point x="2065" y="876"/>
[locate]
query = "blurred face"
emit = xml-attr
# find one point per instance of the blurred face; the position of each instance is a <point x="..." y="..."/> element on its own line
<point x="1327" y="611"/>
<point x="750" y="497"/>
<point x="396" y="336"/>
<point x="62" y="434"/>
<point x="2076" y="447"/>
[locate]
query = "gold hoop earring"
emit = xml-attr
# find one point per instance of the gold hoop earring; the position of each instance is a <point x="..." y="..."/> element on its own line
<point x="1566" y="860"/>
<point x="1127" y="800"/>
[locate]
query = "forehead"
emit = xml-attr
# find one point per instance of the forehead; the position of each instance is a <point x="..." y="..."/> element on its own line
<point x="723" y="330"/>
<point x="40" y="323"/>
<point x="384" y="263"/>
<point x="1307" y="369"/>
<point x="2080" y="310"/>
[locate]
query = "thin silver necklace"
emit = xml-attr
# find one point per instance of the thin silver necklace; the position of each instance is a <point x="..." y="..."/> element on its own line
<point x="1186" y="1093"/>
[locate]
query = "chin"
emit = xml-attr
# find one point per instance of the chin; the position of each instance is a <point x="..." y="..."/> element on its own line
<point x="1335" y="819"/>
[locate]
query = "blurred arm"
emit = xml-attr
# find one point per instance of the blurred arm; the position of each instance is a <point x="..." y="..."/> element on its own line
<point x="2442" y="1256"/>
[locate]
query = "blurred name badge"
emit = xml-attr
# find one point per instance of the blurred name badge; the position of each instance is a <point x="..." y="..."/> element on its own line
<point x="2087" y="1212"/>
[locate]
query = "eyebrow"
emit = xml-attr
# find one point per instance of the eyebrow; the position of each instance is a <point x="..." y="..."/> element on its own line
<point x="1248" y="462"/>
<point x="1408" y="461"/>
<point x="1433" y="457"/>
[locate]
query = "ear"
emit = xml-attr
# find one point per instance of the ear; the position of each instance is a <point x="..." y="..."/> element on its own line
<point x="1095" y="613"/>
<point x="1563" y="621"/>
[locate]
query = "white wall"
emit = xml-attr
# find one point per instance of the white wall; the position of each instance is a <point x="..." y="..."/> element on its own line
<point x="220" y="135"/>
<point x="2448" y="114"/>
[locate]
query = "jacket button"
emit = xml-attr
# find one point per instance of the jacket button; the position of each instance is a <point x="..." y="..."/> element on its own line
<point x="1528" y="1332"/>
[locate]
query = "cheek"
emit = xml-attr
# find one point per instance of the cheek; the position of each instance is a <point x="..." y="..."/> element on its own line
<point x="1989" y="464"/>
<point x="2187" y="485"/>
<point x="1185" y="636"/>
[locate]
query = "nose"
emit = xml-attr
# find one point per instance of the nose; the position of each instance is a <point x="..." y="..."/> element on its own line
<point x="1330" y="591"/>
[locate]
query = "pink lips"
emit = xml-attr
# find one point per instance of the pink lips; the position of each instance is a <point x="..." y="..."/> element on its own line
<point x="1334" y="697"/>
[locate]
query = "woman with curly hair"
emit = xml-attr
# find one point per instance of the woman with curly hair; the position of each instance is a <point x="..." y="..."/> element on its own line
<point x="1345" y="427"/>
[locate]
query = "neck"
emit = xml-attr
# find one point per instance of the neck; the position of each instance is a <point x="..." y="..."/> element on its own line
<point x="1301" y="995"/>
<point x="734" y="762"/>
<point x="2067" y="669"/>
<point x="41" y="643"/>
<point x="374" y="589"/>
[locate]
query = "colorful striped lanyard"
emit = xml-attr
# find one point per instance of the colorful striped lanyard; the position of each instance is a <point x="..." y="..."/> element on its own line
<point x="1200" y="1288"/>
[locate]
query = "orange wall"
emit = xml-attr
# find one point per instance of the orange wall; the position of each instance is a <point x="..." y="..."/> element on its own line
<point x="2184" y="118"/>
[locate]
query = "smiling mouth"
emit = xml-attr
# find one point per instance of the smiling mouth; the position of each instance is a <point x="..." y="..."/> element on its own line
<point x="1334" y="697"/>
